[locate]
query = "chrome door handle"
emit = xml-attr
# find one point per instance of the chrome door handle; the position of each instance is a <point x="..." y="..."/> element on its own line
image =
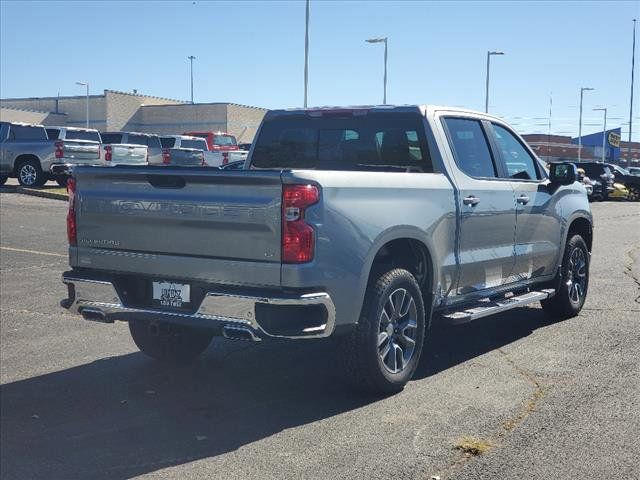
<point x="522" y="199"/>
<point x="471" y="200"/>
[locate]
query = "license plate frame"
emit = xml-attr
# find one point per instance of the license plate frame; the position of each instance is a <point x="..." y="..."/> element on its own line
<point x="172" y="295"/>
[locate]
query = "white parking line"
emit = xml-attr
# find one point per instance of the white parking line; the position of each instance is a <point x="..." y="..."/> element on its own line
<point x="36" y="252"/>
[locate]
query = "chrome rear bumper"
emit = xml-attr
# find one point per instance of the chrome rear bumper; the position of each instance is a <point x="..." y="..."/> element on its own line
<point x="99" y="300"/>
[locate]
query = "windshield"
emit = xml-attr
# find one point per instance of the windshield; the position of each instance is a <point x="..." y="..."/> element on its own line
<point x="388" y="141"/>
<point x="83" y="135"/>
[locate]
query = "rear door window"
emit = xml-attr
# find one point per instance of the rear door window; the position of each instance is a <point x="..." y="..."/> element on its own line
<point x="518" y="161"/>
<point x="470" y="147"/>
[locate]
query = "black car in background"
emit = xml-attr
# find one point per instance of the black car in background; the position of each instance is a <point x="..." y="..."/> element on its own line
<point x="600" y="172"/>
<point x="632" y="182"/>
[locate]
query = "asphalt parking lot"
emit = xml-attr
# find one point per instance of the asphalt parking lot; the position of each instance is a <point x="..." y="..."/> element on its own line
<point x="546" y="400"/>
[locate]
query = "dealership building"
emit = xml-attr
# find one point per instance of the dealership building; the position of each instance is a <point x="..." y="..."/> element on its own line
<point x="116" y="111"/>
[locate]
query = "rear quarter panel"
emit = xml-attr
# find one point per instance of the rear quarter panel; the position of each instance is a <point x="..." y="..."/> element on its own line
<point x="358" y="213"/>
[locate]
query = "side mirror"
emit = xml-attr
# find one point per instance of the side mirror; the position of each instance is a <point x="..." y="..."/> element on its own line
<point x="562" y="173"/>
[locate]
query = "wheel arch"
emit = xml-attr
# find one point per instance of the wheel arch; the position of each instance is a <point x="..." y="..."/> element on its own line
<point x="20" y="159"/>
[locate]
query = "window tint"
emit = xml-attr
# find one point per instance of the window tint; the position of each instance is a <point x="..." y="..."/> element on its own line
<point x="26" y="132"/>
<point x="82" y="135"/>
<point x="470" y="148"/>
<point x="389" y="141"/>
<point x="224" y="140"/>
<point x="197" y="144"/>
<point x="111" y="138"/>
<point x="53" y="133"/>
<point x="167" y="142"/>
<point x="519" y="162"/>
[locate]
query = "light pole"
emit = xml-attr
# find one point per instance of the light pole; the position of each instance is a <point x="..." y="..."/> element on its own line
<point x="582" y="90"/>
<point x="86" y="84"/>
<point x="604" y="131"/>
<point x="633" y="61"/>
<point x="385" y="41"/>
<point x="191" y="58"/>
<point x="486" y="93"/>
<point x="306" y="56"/>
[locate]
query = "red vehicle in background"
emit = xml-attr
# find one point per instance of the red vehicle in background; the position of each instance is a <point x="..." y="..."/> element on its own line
<point x="217" y="141"/>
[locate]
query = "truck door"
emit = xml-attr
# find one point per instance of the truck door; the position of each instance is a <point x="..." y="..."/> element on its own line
<point x="486" y="205"/>
<point x="537" y="243"/>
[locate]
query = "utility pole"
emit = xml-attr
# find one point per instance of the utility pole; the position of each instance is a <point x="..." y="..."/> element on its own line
<point x="549" y="131"/>
<point x="306" y="56"/>
<point x="604" y="132"/>
<point x="191" y="58"/>
<point x="633" y="61"/>
<point x="86" y="84"/>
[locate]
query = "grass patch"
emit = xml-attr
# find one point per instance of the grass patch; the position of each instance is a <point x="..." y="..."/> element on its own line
<point x="472" y="447"/>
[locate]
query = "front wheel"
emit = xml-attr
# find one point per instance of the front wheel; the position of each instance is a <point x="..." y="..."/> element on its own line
<point x="169" y="343"/>
<point x="383" y="351"/>
<point x="574" y="282"/>
<point x="634" y="193"/>
<point x="3" y="179"/>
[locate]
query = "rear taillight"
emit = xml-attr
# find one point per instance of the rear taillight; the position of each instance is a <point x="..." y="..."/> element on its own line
<point x="107" y="153"/>
<point x="72" y="231"/>
<point x="59" y="149"/>
<point x="166" y="156"/>
<point x="225" y="158"/>
<point x="297" y="235"/>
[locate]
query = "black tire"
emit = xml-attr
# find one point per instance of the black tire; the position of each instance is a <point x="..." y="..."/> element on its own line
<point x="30" y="173"/>
<point x="3" y="179"/>
<point x="169" y="343"/>
<point x="634" y="193"/>
<point x="361" y="351"/>
<point x="574" y="282"/>
<point x="62" y="180"/>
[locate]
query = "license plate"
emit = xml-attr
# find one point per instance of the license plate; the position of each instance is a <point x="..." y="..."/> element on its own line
<point x="170" y="294"/>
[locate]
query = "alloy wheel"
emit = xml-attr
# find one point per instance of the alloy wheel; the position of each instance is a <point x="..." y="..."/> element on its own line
<point x="397" y="330"/>
<point x="28" y="174"/>
<point x="577" y="275"/>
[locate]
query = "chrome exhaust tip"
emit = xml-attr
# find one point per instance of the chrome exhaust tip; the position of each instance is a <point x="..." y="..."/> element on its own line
<point x="239" y="333"/>
<point x="94" y="315"/>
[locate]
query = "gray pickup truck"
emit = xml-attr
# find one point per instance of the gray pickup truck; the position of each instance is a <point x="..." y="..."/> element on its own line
<point x="26" y="152"/>
<point x="183" y="151"/>
<point x="359" y="224"/>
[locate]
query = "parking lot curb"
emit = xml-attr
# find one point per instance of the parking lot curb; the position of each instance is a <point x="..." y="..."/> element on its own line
<point x="42" y="193"/>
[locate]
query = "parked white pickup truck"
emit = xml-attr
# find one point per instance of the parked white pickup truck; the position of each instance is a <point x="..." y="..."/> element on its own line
<point x="184" y="151"/>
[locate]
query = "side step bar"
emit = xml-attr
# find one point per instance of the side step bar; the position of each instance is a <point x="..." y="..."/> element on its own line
<point x="485" y="308"/>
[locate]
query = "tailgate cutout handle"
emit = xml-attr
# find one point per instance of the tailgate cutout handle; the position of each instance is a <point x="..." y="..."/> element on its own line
<point x="166" y="181"/>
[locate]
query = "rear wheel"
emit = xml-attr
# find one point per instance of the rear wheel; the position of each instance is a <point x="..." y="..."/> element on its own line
<point x="634" y="193"/>
<point x="3" y="179"/>
<point x="383" y="351"/>
<point x="574" y="282"/>
<point x="30" y="173"/>
<point x="169" y="343"/>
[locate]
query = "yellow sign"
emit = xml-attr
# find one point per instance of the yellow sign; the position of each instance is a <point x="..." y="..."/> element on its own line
<point x="614" y="139"/>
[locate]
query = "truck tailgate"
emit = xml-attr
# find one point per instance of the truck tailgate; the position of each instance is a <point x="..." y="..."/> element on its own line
<point x="172" y="221"/>
<point x="186" y="157"/>
<point x="124" y="154"/>
<point x="81" y="152"/>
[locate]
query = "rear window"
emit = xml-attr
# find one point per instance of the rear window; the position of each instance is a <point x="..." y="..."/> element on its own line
<point x="224" y="140"/>
<point x="153" y="141"/>
<point x="389" y="141"/>
<point x="53" y="133"/>
<point x="82" y="135"/>
<point x="197" y="144"/>
<point x="167" y="142"/>
<point x="27" y="132"/>
<point x="111" y="138"/>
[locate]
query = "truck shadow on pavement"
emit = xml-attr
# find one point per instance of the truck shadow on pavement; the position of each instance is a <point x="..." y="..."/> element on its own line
<point x="127" y="415"/>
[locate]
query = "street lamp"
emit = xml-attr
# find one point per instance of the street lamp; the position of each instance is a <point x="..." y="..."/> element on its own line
<point x="86" y="84"/>
<point x="382" y="40"/>
<point x="191" y="58"/>
<point x="306" y="55"/>
<point x="486" y="94"/>
<point x="604" y="131"/>
<point x="582" y="90"/>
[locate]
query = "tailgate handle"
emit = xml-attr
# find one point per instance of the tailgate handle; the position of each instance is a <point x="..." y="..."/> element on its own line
<point x="166" y="181"/>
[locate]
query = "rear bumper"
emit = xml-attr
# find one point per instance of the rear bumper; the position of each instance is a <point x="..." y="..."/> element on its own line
<point x="98" y="299"/>
<point x="65" y="168"/>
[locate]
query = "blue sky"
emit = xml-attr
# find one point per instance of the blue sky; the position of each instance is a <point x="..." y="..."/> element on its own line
<point x="253" y="52"/>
